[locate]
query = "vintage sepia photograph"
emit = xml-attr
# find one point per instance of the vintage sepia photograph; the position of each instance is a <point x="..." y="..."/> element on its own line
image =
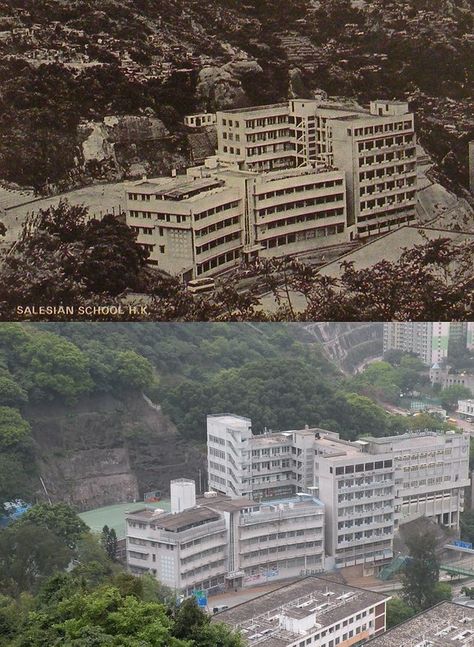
<point x="236" y="484"/>
<point x="235" y="160"/>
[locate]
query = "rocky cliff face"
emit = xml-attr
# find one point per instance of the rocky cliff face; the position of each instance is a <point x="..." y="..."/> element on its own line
<point x="128" y="146"/>
<point x="107" y="450"/>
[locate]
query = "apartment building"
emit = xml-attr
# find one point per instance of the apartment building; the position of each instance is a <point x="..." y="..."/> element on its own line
<point x="257" y="138"/>
<point x="428" y="340"/>
<point x="445" y="625"/>
<point x="314" y="611"/>
<point x="374" y="148"/>
<point x="216" y="542"/>
<point x="431" y="474"/>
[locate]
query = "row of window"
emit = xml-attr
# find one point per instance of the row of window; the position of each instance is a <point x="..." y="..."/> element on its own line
<point x="281" y="549"/>
<point x="313" y="186"/>
<point x="389" y="219"/>
<point x="319" y="232"/>
<point x="387" y="186"/>
<point x="380" y="203"/>
<point x="228" y="222"/>
<point x="387" y="172"/>
<point x="261" y="122"/>
<point x="362" y="467"/>
<point x="308" y="217"/>
<point x="380" y="128"/>
<point x="228" y="257"/>
<point x="382" y="158"/>
<point x="385" y="142"/>
<point x="201" y="249"/>
<point x="217" y="209"/>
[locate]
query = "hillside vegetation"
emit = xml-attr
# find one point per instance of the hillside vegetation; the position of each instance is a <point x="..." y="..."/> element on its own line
<point x="255" y="51"/>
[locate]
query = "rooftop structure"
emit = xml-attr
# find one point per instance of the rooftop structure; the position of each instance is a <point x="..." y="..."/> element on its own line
<point x="312" y="611"/>
<point x="444" y="625"/>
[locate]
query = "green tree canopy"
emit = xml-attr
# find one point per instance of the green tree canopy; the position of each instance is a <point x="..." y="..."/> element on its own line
<point x="59" y="518"/>
<point x="451" y="395"/>
<point x="398" y="611"/>
<point x="14" y="429"/>
<point x="28" y="554"/>
<point x="421" y="574"/>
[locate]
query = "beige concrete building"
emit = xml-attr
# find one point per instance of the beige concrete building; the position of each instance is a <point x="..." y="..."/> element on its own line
<point x="375" y="148"/>
<point x="466" y="409"/>
<point x="191" y="227"/>
<point x="313" y="611"/>
<point x="256" y="138"/>
<point x="209" y="220"/>
<point x="367" y="487"/>
<point x="217" y="542"/>
<point x="200" y="120"/>
<point x="431" y="474"/>
<point x="377" y="152"/>
<point x="358" y="492"/>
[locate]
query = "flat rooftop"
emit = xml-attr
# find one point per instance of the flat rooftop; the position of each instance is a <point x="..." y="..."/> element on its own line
<point x="177" y="522"/>
<point x="225" y="503"/>
<point x="270" y="106"/>
<point x="231" y="419"/>
<point x="409" y="436"/>
<point x="336" y="449"/>
<point x="258" y="619"/>
<point x="445" y="625"/>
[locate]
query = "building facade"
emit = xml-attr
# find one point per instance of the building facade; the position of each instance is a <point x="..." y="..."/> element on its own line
<point x="368" y="487"/>
<point x="209" y="220"/>
<point x="217" y="542"/>
<point x="313" y="611"/>
<point x="375" y="148"/>
<point x="428" y="340"/>
<point x="358" y="492"/>
<point x="431" y="474"/>
<point x="466" y="409"/>
<point x="287" y="179"/>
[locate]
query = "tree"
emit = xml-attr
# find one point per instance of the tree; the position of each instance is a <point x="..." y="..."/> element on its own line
<point x="451" y="394"/>
<point x="469" y="591"/>
<point x="28" y="554"/>
<point x="467" y="523"/>
<point x="65" y="259"/>
<point x="398" y="611"/>
<point x="59" y="518"/>
<point x="132" y="371"/>
<point x="14" y="430"/>
<point x="53" y="367"/>
<point x="11" y="393"/>
<point x="442" y="591"/>
<point x="421" y="574"/>
<point x="109" y="542"/>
